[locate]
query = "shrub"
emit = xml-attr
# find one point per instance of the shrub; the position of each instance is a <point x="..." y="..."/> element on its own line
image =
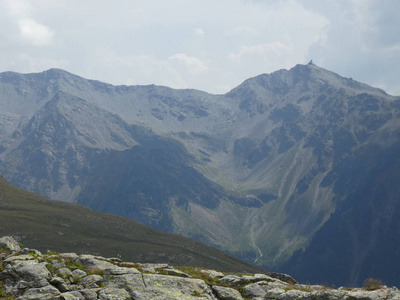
<point x="371" y="284"/>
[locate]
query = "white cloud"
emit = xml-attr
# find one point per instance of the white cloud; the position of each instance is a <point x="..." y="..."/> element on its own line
<point x="269" y="49"/>
<point x="16" y="8"/>
<point x="35" y="33"/>
<point x="26" y="63"/>
<point x="199" y="32"/>
<point x="362" y="42"/>
<point x="242" y="31"/>
<point x="193" y="64"/>
<point x="131" y="70"/>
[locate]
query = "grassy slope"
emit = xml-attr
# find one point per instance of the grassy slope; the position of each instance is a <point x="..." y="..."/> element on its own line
<point x="52" y="225"/>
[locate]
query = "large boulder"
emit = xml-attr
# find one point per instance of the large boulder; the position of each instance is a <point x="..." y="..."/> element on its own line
<point x="9" y="243"/>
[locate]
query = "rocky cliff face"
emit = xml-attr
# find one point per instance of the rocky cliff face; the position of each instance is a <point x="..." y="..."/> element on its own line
<point x="28" y="274"/>
<point x="257" y="172"/>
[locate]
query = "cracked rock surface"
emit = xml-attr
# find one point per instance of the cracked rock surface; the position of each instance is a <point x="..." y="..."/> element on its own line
<point x="27" y="274"/>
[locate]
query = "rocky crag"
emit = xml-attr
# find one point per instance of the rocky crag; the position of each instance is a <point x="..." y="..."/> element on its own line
<point x="29" y="274"/>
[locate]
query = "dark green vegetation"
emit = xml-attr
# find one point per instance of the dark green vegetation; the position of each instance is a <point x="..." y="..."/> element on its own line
<point x="299" y="162"/>
<point x="47" y="224"/>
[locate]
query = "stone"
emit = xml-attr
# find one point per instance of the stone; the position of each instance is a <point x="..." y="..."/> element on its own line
<point x="152" y="267"/>
<point x="69" y="256"/>
<point x="226" y="293"/>
<point x="167" y="294"/>
<point x="71" y="296"/>
<point x="90" y="294"/>
<point x="213" y="273"/>
<point x="114" y="294"/>
<point x="91" y="281"/>
<point x="95" y="262"/>
<point x="269" y="290"/>
<point x="26" y="267"/>
<point x="171" y="286"/>
<point x="129" y="282"/>
<point x="60" y="284"/>
<point x="294" y="295"/>
<point x="58" y="265"/>
<point x="9" y="243"/>
<point x="233" y="280"/>
<point x="47" y="292"/>
<point x="29" y="251"/>
<point x="329" y="294"/>
<point x="174" y="272"/>
<point x="78" y="274"/>
<point x="379" y="294"/>
<point x="121" y="271"/>
<point x="282" y="277"/>
<point x="65" y="272"/>
<point x="56" y="281"/>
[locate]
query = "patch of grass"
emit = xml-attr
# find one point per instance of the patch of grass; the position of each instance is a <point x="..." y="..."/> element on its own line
<point x="299" y="287"/>
<point x="64" y="276"/>
<point x="161" y="271"/>
<point x="197" y="273"/>
<point x="5" y="250"/>
<point x="51" y="268"/>
<point x="196" y="293"/>
<point x="75" y="279"/>
<point x="95" y="272"/>
<point x="73" y="265"/>
<point x="210" y="281"/>
<point x="372" y="284"/>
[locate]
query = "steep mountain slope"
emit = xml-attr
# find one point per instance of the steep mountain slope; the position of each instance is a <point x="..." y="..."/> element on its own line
<point x="49" y="224"/>
<point x="361" y="239"/>
<point x="257" y="171"/>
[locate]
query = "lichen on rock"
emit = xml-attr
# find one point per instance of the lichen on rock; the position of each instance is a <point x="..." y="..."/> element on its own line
<point x="30" y="275"/>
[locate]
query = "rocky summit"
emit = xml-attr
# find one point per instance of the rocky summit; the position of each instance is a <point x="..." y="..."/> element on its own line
<point x="29" y="274"/>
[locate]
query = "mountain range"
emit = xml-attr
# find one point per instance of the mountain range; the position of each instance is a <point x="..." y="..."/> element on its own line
<point x="295" y="170"/>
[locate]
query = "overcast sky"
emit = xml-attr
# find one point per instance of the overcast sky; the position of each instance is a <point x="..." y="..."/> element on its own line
<point x="211" y="45"/>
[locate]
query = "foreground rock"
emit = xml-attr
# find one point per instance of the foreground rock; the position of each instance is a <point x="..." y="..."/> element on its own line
<point x="27" y="274"/>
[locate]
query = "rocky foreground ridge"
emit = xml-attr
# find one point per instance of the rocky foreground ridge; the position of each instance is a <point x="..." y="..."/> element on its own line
<point x="29" y="274"/>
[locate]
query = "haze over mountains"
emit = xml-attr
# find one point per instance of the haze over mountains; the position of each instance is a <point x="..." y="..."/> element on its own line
<point x="299" y="159"/>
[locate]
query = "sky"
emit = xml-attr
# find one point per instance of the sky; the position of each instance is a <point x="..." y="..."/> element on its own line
<point x="211" y="45"/>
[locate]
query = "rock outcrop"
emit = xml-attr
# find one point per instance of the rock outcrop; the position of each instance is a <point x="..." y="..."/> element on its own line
<point x="27" y="274"/>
